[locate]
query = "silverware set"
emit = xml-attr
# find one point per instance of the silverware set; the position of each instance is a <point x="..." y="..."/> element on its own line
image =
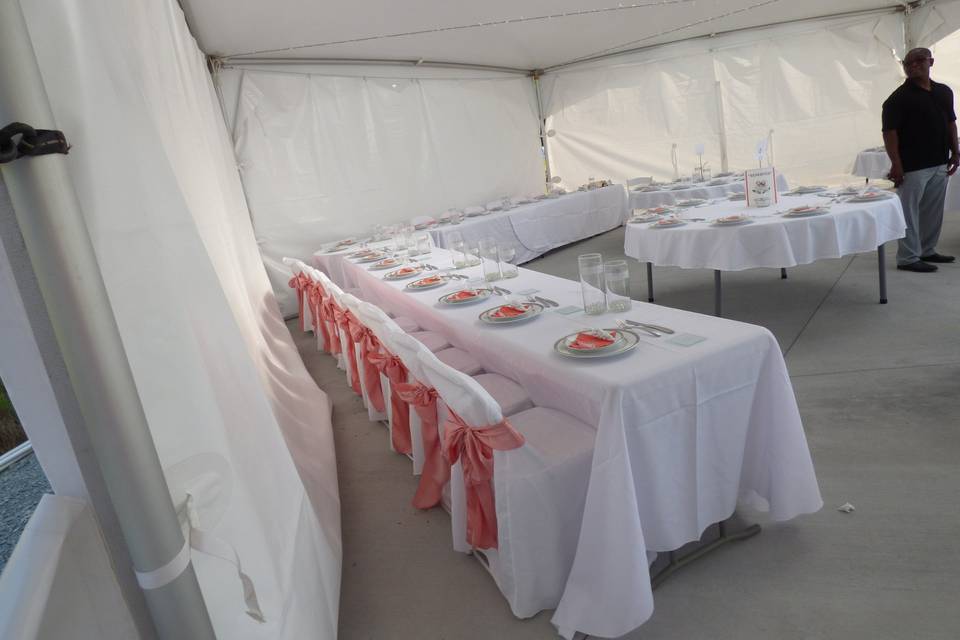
<point x="654" y="330"/>
<point x="547" y="302"/>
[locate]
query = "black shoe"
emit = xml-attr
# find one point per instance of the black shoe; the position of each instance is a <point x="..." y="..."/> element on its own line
<point x="919" y="267"/>
<point x="936" y="257"/>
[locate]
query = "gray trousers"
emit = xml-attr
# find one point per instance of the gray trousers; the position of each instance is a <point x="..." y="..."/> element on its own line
<point x="921" y="195"/>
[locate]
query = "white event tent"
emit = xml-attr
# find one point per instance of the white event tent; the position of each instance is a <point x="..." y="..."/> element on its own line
<point x="210" y="139"/>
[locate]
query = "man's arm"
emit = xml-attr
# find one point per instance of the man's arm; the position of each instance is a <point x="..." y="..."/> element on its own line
<point x="954" y="161"/>
<point x="892" y="144"/>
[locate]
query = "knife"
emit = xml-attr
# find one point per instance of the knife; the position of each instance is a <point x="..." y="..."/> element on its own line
<point x="655" y="327"/>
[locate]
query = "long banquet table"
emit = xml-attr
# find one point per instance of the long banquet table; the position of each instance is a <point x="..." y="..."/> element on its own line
<point x="542" y="225"/>
<point x="669" y="194"/>
<point x="770" y="240"/>
<point x="684" y="433"/>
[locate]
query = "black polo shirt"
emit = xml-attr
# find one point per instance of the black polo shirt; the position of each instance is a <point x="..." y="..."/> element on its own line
<point x="922" y="120"/>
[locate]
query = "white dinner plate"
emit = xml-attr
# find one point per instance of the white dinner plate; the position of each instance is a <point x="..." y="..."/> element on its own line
<point x="801" y="191"/>
<point x="533" y="309"/>
<point x="877" y="198"/>
<point x="416" y="286"/>
<point x="629" y="341"/>
<point x="383" y="264"/>
<point x="482" y="294"/>
<point x="371" y="258"/>
<point x="668" y="223"/>
<point x="692" y="202"/>
<point x="732" y="221"/>
<point x="737" y="197"/>
<point x="403" y="274"/>
<point x="803" y="212"/>
<point x="648" y="217"/>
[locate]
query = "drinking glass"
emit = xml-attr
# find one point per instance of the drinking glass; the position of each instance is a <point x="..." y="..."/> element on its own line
<point x="591" y="283"/>
<point x="506" y="254"/>
<point x="423" y="243"/>
<point x="616" y="278"/>
<point x="456" y="216"/>
<point x="458" y="249"/>
<point x="489" y="261"/>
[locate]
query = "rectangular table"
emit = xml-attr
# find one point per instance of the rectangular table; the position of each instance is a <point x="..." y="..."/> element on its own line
<point x="537" y="227"/>
<point x="769" y="240"/>
<point x="683" y="433"/>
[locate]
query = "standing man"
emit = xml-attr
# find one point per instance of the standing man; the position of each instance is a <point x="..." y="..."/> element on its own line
<point x="920" y="135"/>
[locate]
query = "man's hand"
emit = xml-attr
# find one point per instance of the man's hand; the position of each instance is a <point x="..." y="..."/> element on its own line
<point x="953" y="163"/>
<point x="896" y="174"/>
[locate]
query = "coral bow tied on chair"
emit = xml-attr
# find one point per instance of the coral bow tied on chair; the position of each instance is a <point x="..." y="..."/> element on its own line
<point x="436" y="472"/>
<point x="299" y="283"/>
<point x="474" y="447"/>
<point x="392" y="367"/>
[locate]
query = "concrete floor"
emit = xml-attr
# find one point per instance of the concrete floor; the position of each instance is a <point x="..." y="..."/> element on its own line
<point x="878" y="390"/>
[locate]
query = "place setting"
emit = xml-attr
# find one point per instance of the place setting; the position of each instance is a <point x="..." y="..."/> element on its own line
<point x="652" y="214"/>
<point x="806" y="210"/>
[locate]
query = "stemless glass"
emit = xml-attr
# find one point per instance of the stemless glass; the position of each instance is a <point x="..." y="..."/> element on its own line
<point x="489" y="261"/>
<point x="423" y="243"/>
<point x="456" y="216"/>
<point x="506" y="253"/>
<point x="591" y="283"/>
<point x="616" y="277"/>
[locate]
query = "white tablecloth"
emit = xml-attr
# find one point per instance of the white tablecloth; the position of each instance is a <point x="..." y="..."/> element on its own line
<point x="769" y="241"/>
<point x="540" y="226"/>
<point x="871" y="164"/>
<point x="704" y="190"/>
<point x="683" y="433"/>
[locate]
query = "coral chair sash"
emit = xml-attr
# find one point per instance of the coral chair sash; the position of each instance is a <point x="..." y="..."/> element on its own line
<point x="436" y="471"/>
<point x="300" y="282"/>
<point x="474" y="447"/>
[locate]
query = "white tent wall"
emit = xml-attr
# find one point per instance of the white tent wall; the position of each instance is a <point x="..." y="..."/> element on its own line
<point x="818" y="85"/>
<point x="324" y="157"/>
<point x="224" y="390"/>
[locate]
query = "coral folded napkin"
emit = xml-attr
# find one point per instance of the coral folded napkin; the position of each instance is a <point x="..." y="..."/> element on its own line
<point x="588" y="341"/>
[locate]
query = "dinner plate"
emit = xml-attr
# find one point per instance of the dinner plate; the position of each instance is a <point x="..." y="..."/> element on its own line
<point x="371" y="258"/>
<point x="803" y="212"/>
<point x="646" y="217"/>
<point x="681" y="187"/>
<point x="533" y="309"/>
<point x="432" y="282"/>
<point x="387" y="263"/>
<point x="451" y="298"/>
<point x="732" y="221"/>
<point x="404" y="272"/>
<point x="692" y="202"/>
<point x="871" y="198"/>
<point x="737" y="197"/>
<point x="668" y="223"/>
<point x="628" y="341"/>
<point x="800" y="191"/>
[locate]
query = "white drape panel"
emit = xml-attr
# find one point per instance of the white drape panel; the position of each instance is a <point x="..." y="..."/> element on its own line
<point x="819" y="87"/>
<point x="221" y="382"/>
<point x="325" y="157"/>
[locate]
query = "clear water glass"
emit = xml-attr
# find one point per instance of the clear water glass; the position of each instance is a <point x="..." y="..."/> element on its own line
<point x="591" y="283"/>
<point x="423" y="243"/>
<point x="458" y="250"/>
<point x="456" y="217"/>
<point x="616" y="278"/>
<point x="489" y="260"/>
<point x="506" y="254"/>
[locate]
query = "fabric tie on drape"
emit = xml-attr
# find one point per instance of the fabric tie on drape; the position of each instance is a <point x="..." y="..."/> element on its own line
<point x="436" y="471"/>
<point x="369" y="344"/>
<point x="300" y="282"/>
<point x="330" y="312"/>
<point x="474" y="448"/>
<point x="392" y="367"/>
<point x="316" y="296"/>
<point x="348" y="321"/>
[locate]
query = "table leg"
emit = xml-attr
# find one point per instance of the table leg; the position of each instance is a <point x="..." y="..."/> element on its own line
<point x="783" y="273"/>
<point x="677" y="561"/>
<point x="716" y="294"/>
<point x="882" y="270"/>
<point x="649" y="282"/>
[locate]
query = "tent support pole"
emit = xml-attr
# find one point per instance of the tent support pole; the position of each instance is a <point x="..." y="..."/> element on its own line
<point x="724" y="162"/>
<point x="62" y="256"/>
<point x="543" y="133"/>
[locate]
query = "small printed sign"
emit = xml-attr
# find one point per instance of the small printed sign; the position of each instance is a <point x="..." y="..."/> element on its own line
<point x="761" y="187"/>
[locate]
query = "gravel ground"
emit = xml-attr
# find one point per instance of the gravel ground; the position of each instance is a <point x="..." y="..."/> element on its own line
<point x="21" y="486"/>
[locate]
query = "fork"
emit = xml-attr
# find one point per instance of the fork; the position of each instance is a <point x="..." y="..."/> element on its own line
<point x="547" y="301"/>
<point x="630" y="327"/>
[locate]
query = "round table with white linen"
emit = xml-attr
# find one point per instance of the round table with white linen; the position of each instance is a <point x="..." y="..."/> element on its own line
<point x="872" y="163"/>
<point x="645" y="197"/>
<point x="769" y="239"/>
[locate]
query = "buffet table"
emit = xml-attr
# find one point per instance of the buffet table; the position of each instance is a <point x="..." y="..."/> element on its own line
<point x="646" y="197"/>
<point x="688" y="426"/>
<point x="770" y="239"/>
<point x="872" y="163"/>
<point x="537" y="227"/>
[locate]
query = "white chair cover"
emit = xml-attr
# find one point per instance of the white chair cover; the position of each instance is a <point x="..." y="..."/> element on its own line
<point x="297" y="266"/>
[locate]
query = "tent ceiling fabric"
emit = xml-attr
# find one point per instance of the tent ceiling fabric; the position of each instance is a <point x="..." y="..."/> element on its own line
<point x="519" y="34"/>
